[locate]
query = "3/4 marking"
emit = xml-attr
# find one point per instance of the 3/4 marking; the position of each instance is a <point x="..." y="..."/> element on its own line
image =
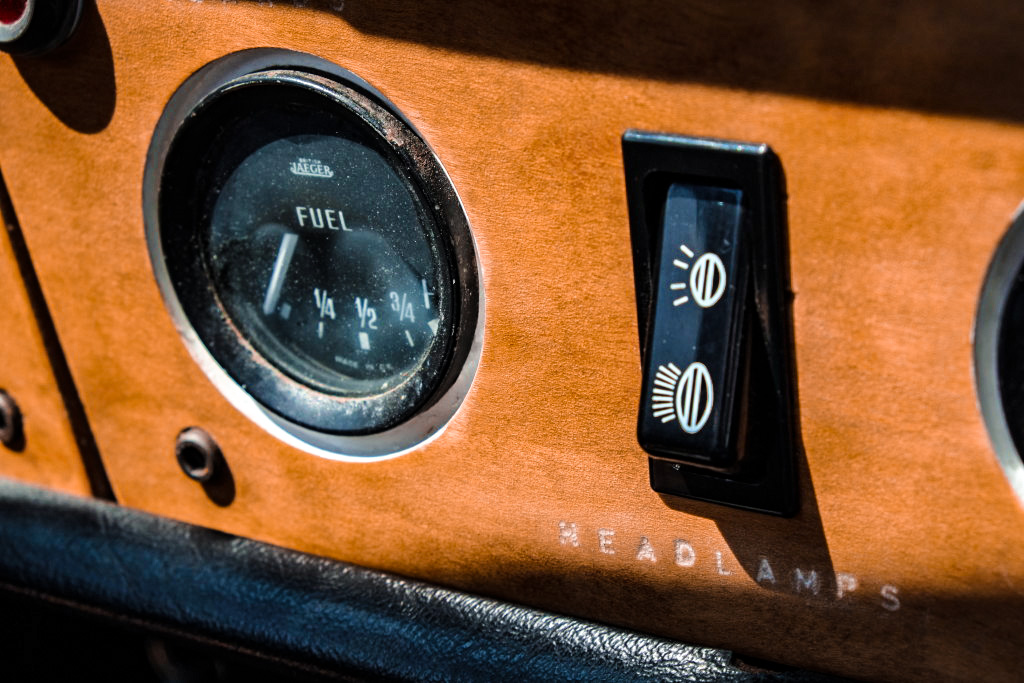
<point x="402" y="306"/>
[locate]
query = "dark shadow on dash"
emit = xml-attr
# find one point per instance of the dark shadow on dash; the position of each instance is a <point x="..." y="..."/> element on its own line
<point x="16" y="441"/>
<point x="220" y="488"/>
<point x="76" y="81"/>
<point x="787" y="555"/>
<point x="950" y="56"/>
<point x="781" y="554"/>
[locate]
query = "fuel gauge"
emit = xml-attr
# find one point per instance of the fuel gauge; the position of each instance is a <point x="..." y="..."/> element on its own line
<point x="323" y="254"/>
<point x="306" y="234"/>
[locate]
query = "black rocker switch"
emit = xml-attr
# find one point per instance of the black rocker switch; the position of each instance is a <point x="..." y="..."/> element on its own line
<point x="716" y="411"/>
<point x="692" y="365"/>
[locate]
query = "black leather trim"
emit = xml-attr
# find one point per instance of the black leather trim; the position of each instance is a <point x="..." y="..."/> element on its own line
<point x="310" y="610"/>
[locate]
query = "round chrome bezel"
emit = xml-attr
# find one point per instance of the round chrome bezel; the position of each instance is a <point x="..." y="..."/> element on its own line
<point x="433" y="415"/>
<point x="1006" y="263"/>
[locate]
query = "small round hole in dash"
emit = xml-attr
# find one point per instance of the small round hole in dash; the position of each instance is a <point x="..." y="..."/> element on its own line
<point x="12" y="10"/>
<point x="194" y="460"/>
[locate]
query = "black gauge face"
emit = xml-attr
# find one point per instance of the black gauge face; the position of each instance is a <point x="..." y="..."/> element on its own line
<point x="325" y="258"/>
<point x="1010" y="360"/>
<point x="315" y="247"/>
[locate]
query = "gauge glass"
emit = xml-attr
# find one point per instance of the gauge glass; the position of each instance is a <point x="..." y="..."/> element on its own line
<point x="314" y="254"/>
<point x="310" y="237"/>
<point x="323" y="255"/>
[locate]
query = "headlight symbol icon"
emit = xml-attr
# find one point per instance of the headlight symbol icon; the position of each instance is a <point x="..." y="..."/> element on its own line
<point x="684" y="396"/>
<point x="707" y="279"/>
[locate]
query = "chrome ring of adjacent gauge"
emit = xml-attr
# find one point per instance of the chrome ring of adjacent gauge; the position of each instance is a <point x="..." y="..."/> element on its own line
<point x="317" y="250"/>
<point x="999" y="355"/>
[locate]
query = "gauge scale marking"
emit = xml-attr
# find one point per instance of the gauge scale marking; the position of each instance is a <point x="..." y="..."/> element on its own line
<point x="340" y="298"/>
<point x="315" y="246"/>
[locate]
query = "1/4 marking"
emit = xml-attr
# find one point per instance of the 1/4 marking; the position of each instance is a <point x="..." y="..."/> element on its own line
<point x="324" y="303"/>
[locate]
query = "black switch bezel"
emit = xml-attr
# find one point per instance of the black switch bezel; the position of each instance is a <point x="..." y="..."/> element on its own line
<point x="765" y="479"/>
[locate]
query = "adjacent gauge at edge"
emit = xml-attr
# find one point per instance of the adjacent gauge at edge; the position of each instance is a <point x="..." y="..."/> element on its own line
<point x="314" y="254"/>
<point x="999" y="355"/>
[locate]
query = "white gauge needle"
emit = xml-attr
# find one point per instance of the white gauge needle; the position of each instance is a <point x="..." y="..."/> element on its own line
<point x="284" y="259"/>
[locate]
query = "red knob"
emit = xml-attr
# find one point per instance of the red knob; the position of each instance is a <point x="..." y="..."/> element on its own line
<point x="12" y="10"/>
<point x="29" y="27"/>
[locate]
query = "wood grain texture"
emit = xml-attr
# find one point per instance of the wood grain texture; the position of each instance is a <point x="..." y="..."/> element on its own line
<point x="47" y="454"/>
<point x="893" y="216"/>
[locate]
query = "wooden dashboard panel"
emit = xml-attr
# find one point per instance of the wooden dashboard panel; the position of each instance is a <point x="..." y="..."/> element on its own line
<point x="47" y="452"/>
<point x="905" y="561"/>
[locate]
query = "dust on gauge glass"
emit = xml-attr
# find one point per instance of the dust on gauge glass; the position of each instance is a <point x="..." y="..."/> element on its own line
<point x="326" y="259"/>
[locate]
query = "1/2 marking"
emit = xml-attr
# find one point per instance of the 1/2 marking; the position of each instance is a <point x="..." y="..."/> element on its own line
<point x="367" y="314"/>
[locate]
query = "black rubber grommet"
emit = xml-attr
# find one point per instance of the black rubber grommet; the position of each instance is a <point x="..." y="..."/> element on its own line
<point x="10" y="421"/>
<point x="198" y="454"/>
